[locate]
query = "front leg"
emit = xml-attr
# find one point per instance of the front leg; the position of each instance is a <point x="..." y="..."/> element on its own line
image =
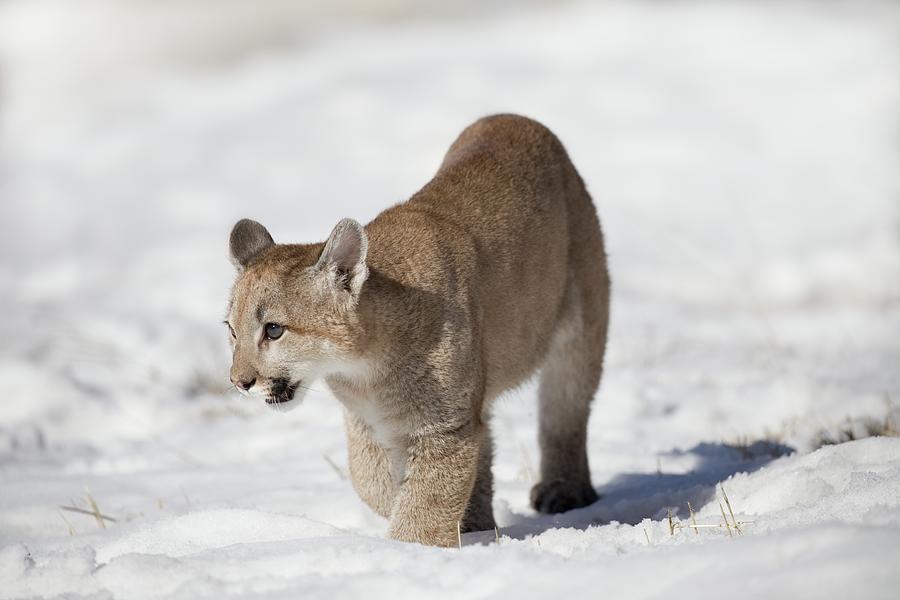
<point x="432" y="498"/>
<point x="370" y="466"/>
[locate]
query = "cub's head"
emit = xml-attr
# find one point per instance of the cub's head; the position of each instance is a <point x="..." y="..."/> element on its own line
<point x="292" y="314"/>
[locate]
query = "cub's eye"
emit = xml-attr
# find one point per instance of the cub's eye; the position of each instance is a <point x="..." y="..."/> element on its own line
<point x="273" y="331"/>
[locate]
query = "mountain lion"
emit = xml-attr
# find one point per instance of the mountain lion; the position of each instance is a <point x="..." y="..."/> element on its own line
<point x="491" y="272"/>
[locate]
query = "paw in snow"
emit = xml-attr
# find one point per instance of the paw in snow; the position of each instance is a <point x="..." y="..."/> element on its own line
<point x="560" y="495"/>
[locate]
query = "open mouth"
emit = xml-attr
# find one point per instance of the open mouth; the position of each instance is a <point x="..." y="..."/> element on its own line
<point x="282" y="391"/>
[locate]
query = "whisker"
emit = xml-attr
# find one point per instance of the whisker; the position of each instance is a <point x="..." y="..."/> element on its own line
<point x="305" y="387"/>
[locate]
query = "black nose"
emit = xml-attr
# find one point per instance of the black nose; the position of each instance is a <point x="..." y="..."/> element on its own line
<point x="246" y="384"/>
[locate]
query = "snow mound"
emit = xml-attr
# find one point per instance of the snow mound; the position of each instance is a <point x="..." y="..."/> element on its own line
<point x="854" y="482"/>
<point x="822" y="515"/>
<point x="212" y="528"/>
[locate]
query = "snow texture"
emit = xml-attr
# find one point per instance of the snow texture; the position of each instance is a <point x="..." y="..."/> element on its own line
<point x="743" y="158"/>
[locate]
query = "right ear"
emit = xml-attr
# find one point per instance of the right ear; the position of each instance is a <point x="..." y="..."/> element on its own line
<point x="344" y="257"/>
<point x="248" y="240"/>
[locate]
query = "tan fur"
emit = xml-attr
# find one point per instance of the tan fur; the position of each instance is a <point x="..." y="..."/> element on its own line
<point x="492" y="271"/>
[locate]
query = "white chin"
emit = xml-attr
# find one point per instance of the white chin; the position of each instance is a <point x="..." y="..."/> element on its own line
<point x="290" y="404"/>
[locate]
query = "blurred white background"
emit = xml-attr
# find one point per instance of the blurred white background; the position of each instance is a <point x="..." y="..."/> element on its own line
<point x="743" y="157"/>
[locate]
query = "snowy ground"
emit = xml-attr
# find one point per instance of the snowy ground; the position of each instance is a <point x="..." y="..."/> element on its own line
<point x="743" y="157"/>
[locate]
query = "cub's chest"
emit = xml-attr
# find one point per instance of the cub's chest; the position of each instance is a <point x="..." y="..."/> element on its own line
<point x="387" y="430"/>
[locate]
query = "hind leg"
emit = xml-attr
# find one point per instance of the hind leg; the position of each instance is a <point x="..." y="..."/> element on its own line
<point x="479" y="515"/>
<point x="569" y="380"/>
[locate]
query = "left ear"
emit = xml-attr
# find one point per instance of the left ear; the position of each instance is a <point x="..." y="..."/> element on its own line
<point x="248" y="241"/>
<point x="344" y="256"/>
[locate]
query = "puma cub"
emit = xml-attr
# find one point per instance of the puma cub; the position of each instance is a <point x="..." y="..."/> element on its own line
<point x="417" y="321"/>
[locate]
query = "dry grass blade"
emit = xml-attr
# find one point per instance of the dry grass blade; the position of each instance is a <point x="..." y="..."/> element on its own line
<point x="335" y="466"/>
<point x="890" y="427"/>
<point x="727" y="525"/>
<point x="693" y="519"/>
<point x="82" y="511"/>
<point x="96" y="509"/>
<point x="737" y="527"/>
<point x="68" y="524"/>
<point x="710" y="525"/>
<point x="497" y="535"/>
<point x="647" y="535"/>
<point x="458" y="535"/>
<point x="676" y="525"/>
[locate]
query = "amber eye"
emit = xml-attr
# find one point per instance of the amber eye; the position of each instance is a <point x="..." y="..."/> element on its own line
<point x="273" y="331"/>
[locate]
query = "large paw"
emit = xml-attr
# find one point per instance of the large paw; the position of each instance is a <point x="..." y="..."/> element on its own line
<point x="445" y="536"/>
<point x="560" y="495"/>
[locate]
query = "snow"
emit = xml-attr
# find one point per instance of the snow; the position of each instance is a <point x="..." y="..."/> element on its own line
<point x="742" y="156"/>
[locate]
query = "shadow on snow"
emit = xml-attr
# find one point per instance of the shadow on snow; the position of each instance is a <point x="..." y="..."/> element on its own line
<point x="632" y="497"/>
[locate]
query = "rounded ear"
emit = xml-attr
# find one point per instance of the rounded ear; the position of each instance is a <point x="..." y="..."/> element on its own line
<point x="248" y="240"/>
<point x="344" y="256"/>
